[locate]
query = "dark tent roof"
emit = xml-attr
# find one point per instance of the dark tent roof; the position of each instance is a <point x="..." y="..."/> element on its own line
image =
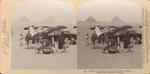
<point x="61" y="27"/>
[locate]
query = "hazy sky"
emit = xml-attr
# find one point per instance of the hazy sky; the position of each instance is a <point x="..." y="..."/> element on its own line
<point x="106" y="10"/>
<point x="40" y="10"/>
<point x="102" y="10"/>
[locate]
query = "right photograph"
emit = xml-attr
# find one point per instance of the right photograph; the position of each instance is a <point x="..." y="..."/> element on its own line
<point x="109" y="35"/>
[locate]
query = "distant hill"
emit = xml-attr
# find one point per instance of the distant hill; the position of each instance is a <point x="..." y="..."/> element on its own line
<point x="117" y="21"/>
<point x="90" y="19"/>
<point x="24" y="19"/>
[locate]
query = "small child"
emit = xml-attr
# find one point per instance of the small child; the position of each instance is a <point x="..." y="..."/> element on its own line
<point x="67" y="42"/>
<point x="132" y="44"/>
<point x="87" y="38"/>
<point x="66" y="45"/>
<point x="21" y="39"/>
<point x="73" y="41"/>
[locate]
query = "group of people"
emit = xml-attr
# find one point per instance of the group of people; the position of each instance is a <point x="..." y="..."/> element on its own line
<point x="59" y="42"/>
<point x="47" y="42"/>
<point x="112" y="43"/>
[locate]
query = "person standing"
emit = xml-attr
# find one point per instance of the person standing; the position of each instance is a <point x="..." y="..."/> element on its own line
<point x="61" y="40"/>
<point x="126" y="40"/>
<point x="28" y="37"/>
<point x="50" y="38"/>
<point x="98" y="33"/>
<point x="32" y="30"/>
<point x="132" y="44"/>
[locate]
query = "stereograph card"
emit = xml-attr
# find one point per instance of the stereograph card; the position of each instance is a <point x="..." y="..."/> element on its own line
<point x="74" y="36"/>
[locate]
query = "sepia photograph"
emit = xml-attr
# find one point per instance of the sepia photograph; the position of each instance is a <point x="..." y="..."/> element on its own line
<point x="44" y="35"/>
<point x="94" y="34"/>
<point x="110" y="35"/>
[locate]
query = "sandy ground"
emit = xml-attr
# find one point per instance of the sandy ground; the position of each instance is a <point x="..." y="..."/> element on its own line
<point x="94" y="58"/>
<point x="28" y="58"/>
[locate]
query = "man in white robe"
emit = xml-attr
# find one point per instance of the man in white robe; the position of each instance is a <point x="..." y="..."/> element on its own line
<point x="32" y="31"/>
<point x="98" y="31"/>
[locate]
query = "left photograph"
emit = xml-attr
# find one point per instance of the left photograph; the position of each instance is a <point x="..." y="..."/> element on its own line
<point x="44" y="34"/>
